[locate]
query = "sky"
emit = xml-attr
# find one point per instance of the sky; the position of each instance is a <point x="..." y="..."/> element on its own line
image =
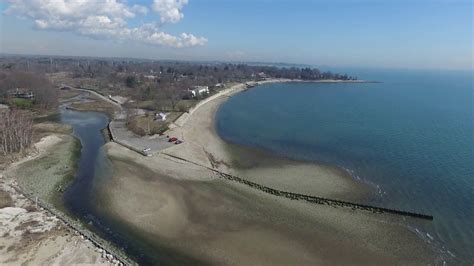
<point x="419" y="34"/>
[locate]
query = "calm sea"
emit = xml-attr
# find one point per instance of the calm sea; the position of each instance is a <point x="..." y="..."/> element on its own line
<point x="411" y="134"/>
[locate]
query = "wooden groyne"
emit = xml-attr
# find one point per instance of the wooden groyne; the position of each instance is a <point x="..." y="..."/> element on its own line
<point x="308" y="198"/>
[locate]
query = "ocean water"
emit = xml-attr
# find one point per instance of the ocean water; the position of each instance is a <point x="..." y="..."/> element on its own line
<point x="411" y="134"/>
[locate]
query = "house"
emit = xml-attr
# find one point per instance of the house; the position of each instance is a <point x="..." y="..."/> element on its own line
<point x="199" y="90"/>
<point x="160" y="116"/>
<point x="262" y="75"/>
<point x="22" y="93"/>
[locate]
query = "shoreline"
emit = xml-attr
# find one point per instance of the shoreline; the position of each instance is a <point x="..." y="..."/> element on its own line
<point x="203" y="146"/>
<point x="181" y="120"/>
<point x="232" y="151"/>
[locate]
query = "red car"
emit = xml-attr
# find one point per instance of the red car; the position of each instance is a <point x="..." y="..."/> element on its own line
<point x="173" y="139"/>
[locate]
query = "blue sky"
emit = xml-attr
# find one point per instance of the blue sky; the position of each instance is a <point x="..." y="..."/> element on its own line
<point x="401" y="34"/>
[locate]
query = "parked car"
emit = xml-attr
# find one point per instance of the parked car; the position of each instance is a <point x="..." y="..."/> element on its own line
<point x="173" y="139"/>
<point x="146" y="150"/>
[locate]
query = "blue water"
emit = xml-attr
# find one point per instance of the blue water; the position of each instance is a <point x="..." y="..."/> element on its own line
<point x="411" y="134"/>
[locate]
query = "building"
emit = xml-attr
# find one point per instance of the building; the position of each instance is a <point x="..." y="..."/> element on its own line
<point x="22" y="93"/>
<point x="160" y="116"/>
<point x="262" y="75"/>
<point x="199" y="90"/>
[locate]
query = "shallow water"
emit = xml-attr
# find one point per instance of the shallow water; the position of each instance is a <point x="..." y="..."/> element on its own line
<point x="412" y="135"/>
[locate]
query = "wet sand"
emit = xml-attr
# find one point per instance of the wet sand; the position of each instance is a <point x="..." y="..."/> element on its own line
<point x="182" y="212"/>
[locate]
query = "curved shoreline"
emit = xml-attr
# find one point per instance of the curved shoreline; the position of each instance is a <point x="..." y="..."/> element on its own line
<point x="177" y="195"/>
<point x="202" y="145"/>
<point x="228" y="155"/>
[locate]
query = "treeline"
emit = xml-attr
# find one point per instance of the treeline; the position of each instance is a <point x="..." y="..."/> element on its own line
<point x="112" y="68"/>
<point x="16" y="131"/>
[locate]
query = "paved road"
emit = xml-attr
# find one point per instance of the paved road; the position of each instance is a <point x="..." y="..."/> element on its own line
<point x="107" y="99"/>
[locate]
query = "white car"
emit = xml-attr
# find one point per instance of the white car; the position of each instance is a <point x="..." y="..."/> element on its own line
<point x="146" y="150"/>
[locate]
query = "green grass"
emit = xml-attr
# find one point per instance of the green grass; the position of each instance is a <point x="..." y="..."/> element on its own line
<point x="22" y="103"/>
<point x="68" y="176"/>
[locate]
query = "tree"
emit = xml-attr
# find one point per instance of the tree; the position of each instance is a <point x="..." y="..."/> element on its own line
<point x="16" y="131"/>
<point x="173" y="96"/>
<point x="131" y="81"/>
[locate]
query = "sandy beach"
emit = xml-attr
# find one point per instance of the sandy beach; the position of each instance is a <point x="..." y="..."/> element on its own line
<point x="187" y="214"/>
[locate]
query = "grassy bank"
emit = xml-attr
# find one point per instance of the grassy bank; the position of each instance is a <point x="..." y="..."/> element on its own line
<point x="48" y="175"/>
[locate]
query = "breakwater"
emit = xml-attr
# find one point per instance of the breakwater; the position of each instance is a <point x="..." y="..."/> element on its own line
<point x="309" y="198"/>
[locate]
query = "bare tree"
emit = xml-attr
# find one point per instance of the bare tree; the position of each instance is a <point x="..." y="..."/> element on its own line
<point x="16" y="131"/>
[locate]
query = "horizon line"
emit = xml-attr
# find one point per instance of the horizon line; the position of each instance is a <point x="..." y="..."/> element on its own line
<point x="298" y="65"/>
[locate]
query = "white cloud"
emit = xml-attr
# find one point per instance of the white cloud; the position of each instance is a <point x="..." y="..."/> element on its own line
<point x="105" y="19"/>
<point x="140" y="9"/>
<point x="169" y="10"/>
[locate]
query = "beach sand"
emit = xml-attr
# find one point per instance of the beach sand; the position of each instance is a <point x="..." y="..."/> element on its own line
<point x="186" y="214"/>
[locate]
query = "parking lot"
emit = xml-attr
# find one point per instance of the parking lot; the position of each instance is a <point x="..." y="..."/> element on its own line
<point x="146" y="145"/>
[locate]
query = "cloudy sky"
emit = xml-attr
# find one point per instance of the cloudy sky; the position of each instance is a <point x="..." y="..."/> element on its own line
<point x="373" y="33"/>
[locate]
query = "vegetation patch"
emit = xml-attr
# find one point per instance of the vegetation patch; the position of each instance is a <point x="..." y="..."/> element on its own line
<point x="96" y="105"/>
<point x="22" y="103"/>
<point x="146" y="125"/>
<point x="48" y="175"/>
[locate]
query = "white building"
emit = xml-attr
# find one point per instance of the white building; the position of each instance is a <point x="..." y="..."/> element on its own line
<point x="199" y="90"/>
<point x="160" y="116"/>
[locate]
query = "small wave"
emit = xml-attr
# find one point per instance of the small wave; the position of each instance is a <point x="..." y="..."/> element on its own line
<point x="379" y="192"/>
<point x="429" y="236"/>
<point x="444" y="254"/>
